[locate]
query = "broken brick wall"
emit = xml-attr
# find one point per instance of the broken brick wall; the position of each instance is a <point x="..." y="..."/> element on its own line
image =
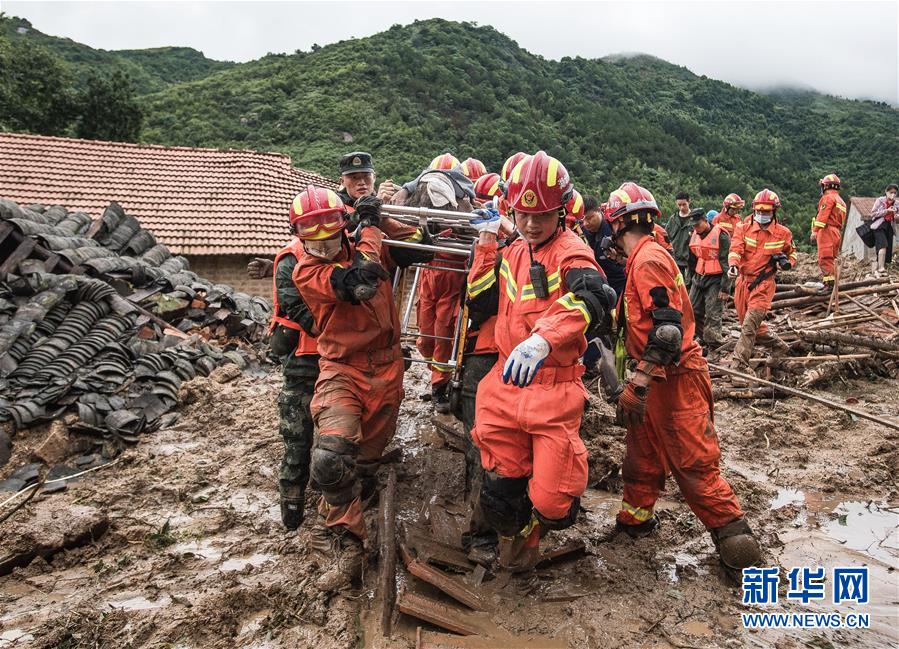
<point x="231" y="270"/>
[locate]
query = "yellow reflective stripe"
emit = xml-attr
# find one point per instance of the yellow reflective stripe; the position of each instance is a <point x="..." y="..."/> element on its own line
<point x="793" y="255"/>
<point x="506" y="273"/>
<point x="341" y="264"/>
<point x="569" y="301"/>
<point x="770" y="245"/>
<point x="553" y="282"/>
<point x="840" y="207"/>
<point x="750" y="240"/>
<point x="734" y="256"/>
<point x="640" y="513"/>
<point x="482" y="283"/>
<point x="443" y="367"/>
<point x="819" y="224"/>
<point x="414" y="237"/>
<point x="679" y="280"/>
<point x="552" y="172"/>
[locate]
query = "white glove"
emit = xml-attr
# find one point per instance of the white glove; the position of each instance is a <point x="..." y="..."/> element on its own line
<point x="486" y="220"/>
<point x="525" y="360"/>
<point x="733" y="271"/>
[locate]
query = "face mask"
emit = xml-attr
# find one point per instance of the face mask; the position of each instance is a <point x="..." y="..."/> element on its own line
<point x="324" y="249"/>
<point x="763" y="218"/>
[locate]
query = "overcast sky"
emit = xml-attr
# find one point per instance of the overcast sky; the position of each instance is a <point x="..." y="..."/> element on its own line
<point x="844" y="48"/>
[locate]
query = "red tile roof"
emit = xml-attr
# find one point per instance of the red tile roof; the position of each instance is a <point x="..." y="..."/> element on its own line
<point x="863" y="205"/>
<point x="196" y="201"/>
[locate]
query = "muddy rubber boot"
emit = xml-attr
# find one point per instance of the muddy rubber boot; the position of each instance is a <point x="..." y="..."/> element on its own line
<point x="520" y="553"/>
<point x="640" y="531"/>
<point x="345" y="565"/>
<point x="737" y="548"/>
<point x="293" y="501"/>
<point x="440" y="399"/>
<point x="712" y="338"/>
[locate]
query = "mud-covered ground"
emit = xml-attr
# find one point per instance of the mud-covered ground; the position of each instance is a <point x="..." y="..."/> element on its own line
<point x="194" y="554"/>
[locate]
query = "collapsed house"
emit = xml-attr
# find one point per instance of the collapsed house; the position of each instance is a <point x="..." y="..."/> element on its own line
<point x="100" y="324"/>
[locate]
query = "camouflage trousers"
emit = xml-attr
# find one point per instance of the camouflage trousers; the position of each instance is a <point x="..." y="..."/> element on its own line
<point x="296" y="428"/>
<point x="707" y="306"/>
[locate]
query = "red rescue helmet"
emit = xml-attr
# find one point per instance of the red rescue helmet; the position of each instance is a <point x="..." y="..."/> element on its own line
<point x="510" y="163"/>
<point x="630" y="204"/>
<point x="473" y="169"/>
<point x="766" y="201"/>
<point x="488" y="186"/>
<point x="445" y="162"/>
<point x="733" y="200"/>
<point x="830" y="181"/>
<point x="574" y="208"/>
<point x="317" y="213"/>
<point x="539" y="183"/>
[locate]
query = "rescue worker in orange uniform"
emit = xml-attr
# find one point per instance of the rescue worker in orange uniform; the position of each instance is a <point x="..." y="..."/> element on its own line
<point x="357" y="397"/>
<point x="827" y="228"/>
<point x="758" y="250"/>
<point x="548" y="292"/>
<point x="473" y="169"/>
<point x="445" y="161"/>
<point x="729" y="217"/>
<point x="667" y="404"/>
<point x="709" y="285"/>
<point x="661" y="237"/>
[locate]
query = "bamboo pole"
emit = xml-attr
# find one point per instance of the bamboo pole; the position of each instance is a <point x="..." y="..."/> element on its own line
<point x="879" y="419"/>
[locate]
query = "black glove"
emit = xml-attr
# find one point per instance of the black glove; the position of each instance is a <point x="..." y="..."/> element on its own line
<point x="368" y="209"/>
<point x="781" y="261"/>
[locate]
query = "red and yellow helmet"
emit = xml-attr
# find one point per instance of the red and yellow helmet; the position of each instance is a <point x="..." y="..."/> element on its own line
<point x="488" y="186"/>
<point x="733" y="200"/>
<point x="632" y="203"/>
<point x="830" y="181"/>
<point x="574" y="208"/>
<point x="317" y="213"/>
<point x="510" y="163"/>
<point x="445" y="162"/>
<point x="473" y="169"/>
<point x="766" y="201"/>
<point x="538" y="183"/>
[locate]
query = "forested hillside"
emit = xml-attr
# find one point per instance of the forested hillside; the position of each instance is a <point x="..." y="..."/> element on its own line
<point x="414" y="91"/>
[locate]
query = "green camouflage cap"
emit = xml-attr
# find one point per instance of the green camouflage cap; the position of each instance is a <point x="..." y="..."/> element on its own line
<point x="356" y="162"/>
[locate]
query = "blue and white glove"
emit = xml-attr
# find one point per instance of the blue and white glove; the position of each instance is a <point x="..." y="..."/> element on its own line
<point x="525" y="360"/>
<point x="485" y="220"/>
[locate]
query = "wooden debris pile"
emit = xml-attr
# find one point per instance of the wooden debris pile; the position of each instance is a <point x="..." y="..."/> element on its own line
<point x="851" y="331"/>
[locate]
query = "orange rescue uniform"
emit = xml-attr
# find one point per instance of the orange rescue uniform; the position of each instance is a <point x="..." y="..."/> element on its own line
<point x="750" y="251"/>
<point x="677" y="435"/>
<point x="360" y="386"/>
<point x="439" y="296"/>
<point x="306" y="343"/>
<point x="827" y="229"/>
<point x="533" y="431"/>
<point x="727" y="222"/>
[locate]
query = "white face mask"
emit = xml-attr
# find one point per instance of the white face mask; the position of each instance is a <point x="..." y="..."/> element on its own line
<point x="763" y="218"/>
<point x="323" y="249"/>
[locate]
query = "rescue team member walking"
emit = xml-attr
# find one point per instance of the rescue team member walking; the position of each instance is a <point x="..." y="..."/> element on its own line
<point x="667" y="405"/>
<point x="292" y="332"/>
<point x="547" y="291"/>
<point x="678" y="230"/>
<point x="758" y="251"/>
<point x="729" y="217"/>
<point x="827" y="227"/>
<point x="360" y="387"/>
<point x="709" y="245"/>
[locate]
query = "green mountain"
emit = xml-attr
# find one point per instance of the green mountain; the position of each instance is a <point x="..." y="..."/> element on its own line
<point x="151" y="70"/>
<point x="414" y="91"/>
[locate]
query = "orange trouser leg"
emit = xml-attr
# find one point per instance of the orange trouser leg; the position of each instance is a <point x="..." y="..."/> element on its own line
<point x="425" y="316"/>
<point x="444" y="327"/>
<point x="828" y="247"/>
<point x="360" y="405"/>
<point x="760" y="298"/>
<point x="678" y="435"/>
<point x="533" y="432"/>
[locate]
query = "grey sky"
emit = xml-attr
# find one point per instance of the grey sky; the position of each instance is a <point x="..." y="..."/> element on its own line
<point x="845" y="48"/>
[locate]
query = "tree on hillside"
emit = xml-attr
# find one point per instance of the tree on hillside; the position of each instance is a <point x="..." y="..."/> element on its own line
<point x="108" y="109"/>
<point x="35" y="89"/>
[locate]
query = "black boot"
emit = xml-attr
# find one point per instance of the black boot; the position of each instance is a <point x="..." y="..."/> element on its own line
<point x="293" y="500"/>
<point x="440" y="399"/>
<point x="638" y="531"/>
<point x="737" y="547"/>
